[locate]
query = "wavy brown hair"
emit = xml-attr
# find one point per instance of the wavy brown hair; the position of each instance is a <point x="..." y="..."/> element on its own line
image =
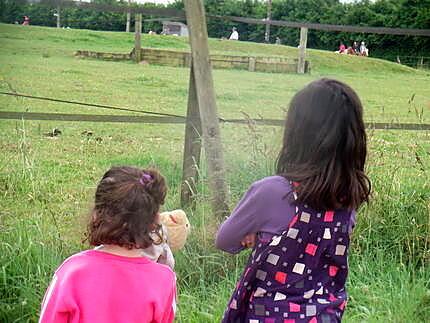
<point x="127" y="201"/>
<point x="324" y="146"/>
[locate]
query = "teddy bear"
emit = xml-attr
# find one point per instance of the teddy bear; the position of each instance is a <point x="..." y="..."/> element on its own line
<point x="175" y="228"/>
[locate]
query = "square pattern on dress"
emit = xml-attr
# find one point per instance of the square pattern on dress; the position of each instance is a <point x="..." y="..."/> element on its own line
<point x="261" y="274"/>
<point x="327" y="234"/>
<point x="260" y="310"/>
<point x="272" y="259"/>
<point x="281" y="277"/>
<point x="311" y="310"/>
<point x="305" y="217"/>
<point x="332" y="270"/>
<point x="311" y="249"/>
<point x="292" y="233"/>
<point x="299" y="268"/>
<point x="294" y="307"/>
<point x="328" y="216"/>
<point x="340" y="250"/>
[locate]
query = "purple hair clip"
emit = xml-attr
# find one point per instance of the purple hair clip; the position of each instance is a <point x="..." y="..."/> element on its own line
<point x="146" y="178"/>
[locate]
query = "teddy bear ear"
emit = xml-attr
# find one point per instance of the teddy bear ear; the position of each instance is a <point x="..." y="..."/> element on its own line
<point x="173" y="219"/>
<point x="164" y="216"/>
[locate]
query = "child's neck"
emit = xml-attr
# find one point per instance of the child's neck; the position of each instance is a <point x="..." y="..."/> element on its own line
<point x="121" y="251"/>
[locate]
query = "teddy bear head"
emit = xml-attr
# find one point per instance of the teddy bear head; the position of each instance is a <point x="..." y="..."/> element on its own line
<point x="178" y="228"/>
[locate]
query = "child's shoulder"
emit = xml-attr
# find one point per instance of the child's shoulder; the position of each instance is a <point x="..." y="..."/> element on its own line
<point x="272" y="185"/>
<point x="89" y="261"/>
<point x="76" y="261"/>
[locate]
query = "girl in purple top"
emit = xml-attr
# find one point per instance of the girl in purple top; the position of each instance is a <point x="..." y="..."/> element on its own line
<point x="299" y="221"/>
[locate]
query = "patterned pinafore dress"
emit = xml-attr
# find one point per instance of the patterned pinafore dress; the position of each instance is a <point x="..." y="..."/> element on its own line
<point x="298" y="276"/>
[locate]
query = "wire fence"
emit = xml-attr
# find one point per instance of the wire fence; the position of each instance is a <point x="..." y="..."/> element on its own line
<point x="419" y="62"/>
<point x="157" y="117"/>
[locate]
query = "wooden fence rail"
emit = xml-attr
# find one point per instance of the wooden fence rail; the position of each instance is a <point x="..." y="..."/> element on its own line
<point x="12" y="115"/>
<point x="329" y="27"/>
<point x="168" y="57"/>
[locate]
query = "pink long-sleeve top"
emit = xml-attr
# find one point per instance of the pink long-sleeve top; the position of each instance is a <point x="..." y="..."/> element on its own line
<point x="95" y="286"/>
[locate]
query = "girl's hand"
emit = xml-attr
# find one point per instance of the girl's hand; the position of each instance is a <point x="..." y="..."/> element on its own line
<point x="249" y="240"/>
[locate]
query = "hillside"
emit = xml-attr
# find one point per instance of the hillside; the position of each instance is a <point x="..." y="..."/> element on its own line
<point x="69" y="40"/>
<point x="46" y="54"/>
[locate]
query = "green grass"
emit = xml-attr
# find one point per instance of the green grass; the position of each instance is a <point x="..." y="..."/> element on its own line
<point x="46" y="184"/>
<point x="29" y="55"/>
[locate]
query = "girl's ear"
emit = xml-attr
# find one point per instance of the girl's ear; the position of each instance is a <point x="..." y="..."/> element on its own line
<point x="154" y="225"/>
<point x="94" y="215"/>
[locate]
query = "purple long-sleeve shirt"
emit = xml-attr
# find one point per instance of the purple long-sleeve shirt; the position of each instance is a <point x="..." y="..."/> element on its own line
<point x="263" y="209"/>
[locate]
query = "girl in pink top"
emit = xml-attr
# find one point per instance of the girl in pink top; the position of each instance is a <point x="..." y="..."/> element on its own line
<point x="113" y="282"/>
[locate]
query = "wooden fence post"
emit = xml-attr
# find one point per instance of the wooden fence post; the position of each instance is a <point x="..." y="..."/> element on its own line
<point x="137" y="37"/>
<point x="268" y="17"/>
<point x="127" y="26"/>
<point x="192" y="146"/>
<point x="58" y="17"/>
<point x="207" y="106"/>
<point x="251" y="64"/>
<point x="302" y="50"/>
<point x="421" y="63"/>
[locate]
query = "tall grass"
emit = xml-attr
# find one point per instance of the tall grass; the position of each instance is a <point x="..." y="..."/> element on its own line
<point x="41" y="224"/>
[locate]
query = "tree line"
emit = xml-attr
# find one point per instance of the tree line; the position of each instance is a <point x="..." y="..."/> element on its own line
<point x="379" y="13"/>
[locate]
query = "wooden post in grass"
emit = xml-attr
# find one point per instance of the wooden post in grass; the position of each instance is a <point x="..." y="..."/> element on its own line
<point x="192" y="146"/>
<point x="137" y="37"/>
<point x="58" y="17"/>
<point x="205" y="93"/>
<point x="127" y="26"/>
<point x="421" y="63"/>
<point x="251" y="64"/>
<point x="268" y="17"/>
<point x="302" y="50"/>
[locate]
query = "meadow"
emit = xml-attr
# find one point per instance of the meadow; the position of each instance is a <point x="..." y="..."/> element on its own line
<point x="46" y="183"/>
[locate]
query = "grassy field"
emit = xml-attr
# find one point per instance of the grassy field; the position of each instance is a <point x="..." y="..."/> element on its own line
<point x="46" y="184"/>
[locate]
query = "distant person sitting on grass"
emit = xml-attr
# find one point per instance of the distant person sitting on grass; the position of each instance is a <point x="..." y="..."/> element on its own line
<point x="299" y="221"/>
<point x="26" y="21"/>
<point x="234" y="34"/>
<point x="363" y="49"/>
<point x="342" y="48"/>
<point x="356" y="48"/>
<point x="114" y="282"/>
<point x="350" y="51"/>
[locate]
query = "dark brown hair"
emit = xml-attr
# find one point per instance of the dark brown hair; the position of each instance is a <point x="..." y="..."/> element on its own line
<point x="324" y="146"/>
<point x="127" y="201"/>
